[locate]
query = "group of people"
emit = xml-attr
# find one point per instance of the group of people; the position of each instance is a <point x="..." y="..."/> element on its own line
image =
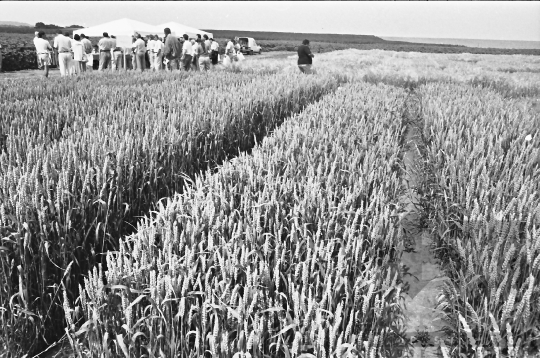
<point x="73" y="53"/>
<point x="76" y="54"/>
<point x="178" y="53"/>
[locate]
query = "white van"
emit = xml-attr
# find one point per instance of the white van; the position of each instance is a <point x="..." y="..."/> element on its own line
<point x="249" y="46"/>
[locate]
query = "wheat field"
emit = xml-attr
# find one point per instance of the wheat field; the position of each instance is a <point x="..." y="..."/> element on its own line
<point x="253" y="211"/>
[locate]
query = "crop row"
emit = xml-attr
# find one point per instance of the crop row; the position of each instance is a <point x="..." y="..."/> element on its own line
<point x="483" y="163"/>
<point x="75" y="174"/>
<point x="291" y="250"/>
<point x="40" y="115"/>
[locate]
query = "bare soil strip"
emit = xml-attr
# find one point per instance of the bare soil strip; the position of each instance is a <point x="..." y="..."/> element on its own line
<point x="423" y="275"/>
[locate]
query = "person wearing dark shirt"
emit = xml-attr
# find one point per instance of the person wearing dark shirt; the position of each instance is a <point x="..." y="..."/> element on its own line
<point x="172" y="49"/>
<point x="305" y="57"/>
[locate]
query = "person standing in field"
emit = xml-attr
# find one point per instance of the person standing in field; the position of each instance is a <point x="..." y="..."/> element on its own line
<point x="133" y="57"/>
<point x="187" y="50"/>
<point x="116" y="55"/>
<point x="105" y="47"/>
<point x="172" y="49"/>
<point x="195" y="54"/>
<point x="43" y="48"/>
<point x="1" y="70"/>
<point x="305" y="57"/>
<point x="35" y="38"/>
<point x="95" y="51"/>
<point x="63" y="45"/>
<point x="87" y="45"/>
<point x="158" y="54"/>
<point x="112" y="40"/>
<point x="207" y="43"/>
<point x="78" y="54"/>
<point x="151" y="54"/>
<point x="72" y="64"/>
<point x="203" y="56"/>
<point x="140" y="52"/>
<point x="230" y="50"/>
<point x="237" y="46"/>
<point x="214" y="52"/>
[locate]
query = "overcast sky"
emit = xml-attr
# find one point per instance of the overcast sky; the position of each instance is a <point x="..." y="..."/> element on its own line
<point x="470" y="20"/>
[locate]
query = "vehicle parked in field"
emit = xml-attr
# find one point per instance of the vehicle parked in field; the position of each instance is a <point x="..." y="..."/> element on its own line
<point x="249" y="46"/>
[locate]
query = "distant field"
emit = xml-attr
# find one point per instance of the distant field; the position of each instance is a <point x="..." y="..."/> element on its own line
<point x="19" y="51"/>
<point x="471" y="42"/>
<point x="298" y="37"/>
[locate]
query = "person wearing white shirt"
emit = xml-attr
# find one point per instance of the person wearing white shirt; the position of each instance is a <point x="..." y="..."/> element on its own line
<point x="236" y="45"/>
<point x="42" y="48"/>
<point x="230" y="50"/>
<point x="88" y="51"/>
<point x="204" y="58"/>
<point x="78" y="54"/>
<point x="139" y="47"/>
<point x="105" y="46"/>
<point x="35" y="38"/>
<point x="195" y="54"/>
<point x="187" y="50"/>
<point x="158" y="54"/>
<point x="151" y="54"/>
<point x="117" y="57"/>
<point x="214" y="52"/>
<point x="63" y="45"/>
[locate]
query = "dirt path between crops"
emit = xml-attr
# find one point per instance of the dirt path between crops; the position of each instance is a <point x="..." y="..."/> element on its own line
<point x="424" y="276"/>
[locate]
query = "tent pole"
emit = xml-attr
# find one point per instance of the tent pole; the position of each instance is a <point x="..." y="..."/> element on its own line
<point x="125" y="64"/>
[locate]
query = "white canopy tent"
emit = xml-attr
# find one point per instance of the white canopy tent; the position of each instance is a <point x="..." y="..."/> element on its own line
<point x="123" y="29"/>
<point x="180" y="29"/>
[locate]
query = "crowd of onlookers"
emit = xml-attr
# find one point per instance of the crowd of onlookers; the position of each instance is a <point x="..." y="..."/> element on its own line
<point x="76" y="53"/>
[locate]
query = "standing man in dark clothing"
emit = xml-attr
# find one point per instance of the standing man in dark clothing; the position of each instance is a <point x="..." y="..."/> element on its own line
<point x="172" y="50"/>
<point x="214" y="52"/>
<point x="305" y="57"/>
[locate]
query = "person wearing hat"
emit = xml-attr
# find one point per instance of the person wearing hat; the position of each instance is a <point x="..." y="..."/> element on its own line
<point x="105" y="47"/>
